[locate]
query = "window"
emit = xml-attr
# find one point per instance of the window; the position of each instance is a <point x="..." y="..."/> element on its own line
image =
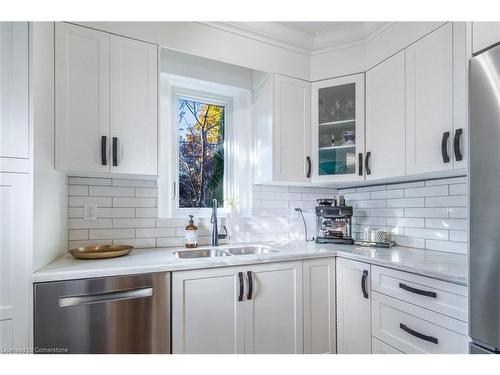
<point x="201" y="128"/>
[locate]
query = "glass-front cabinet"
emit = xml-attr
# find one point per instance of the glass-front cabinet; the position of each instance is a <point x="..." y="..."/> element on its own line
<point x="338" y="129"/>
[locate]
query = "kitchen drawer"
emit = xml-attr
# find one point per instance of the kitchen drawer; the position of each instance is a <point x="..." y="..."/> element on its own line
<point x="380" y="347"/>
<point x="412" y="329"/>
<point x="440" y="296"/>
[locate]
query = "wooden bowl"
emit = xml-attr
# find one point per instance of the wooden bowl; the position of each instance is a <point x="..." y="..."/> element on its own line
<point x="101" y="251"/>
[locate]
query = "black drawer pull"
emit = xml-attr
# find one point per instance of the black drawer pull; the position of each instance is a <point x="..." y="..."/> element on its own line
<point x="363" y="283"/>
<point x="115" y="152"/>
<point x="360" y="162"/>
<point x="367" y="167"/>
<point x="240" y="277"/>
<point x="418" y="291"/>
<point x="250" y="285"/>
<point x="444" y="147"/>
<point x="418" y="334"/>
<point x="103" y="150"/>
<point x="456" y="145"/>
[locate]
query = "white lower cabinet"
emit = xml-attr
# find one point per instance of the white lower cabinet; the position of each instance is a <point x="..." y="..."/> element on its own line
<point x="247" y="309"/>
<point x="15" y="269"/>
<point x="319" y="306"/>
<point x="413" y="329"/>
<point x="353" y="307"/>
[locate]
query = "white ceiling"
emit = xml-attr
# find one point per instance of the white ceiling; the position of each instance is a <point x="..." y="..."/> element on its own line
<point x="307" y="37"/>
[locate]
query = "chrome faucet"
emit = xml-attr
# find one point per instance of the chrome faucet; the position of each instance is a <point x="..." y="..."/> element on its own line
<point x="215" y="231"/>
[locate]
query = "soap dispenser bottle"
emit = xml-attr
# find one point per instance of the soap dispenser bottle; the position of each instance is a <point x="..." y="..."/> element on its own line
<point x="191" y="234"/>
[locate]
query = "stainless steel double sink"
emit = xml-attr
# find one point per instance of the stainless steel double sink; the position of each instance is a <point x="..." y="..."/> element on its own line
<point x="223" y="252"/>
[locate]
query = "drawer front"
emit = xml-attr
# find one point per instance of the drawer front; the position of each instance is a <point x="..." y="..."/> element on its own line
<point x="380" y="347"/>
<point x="412" y="329"/>
<point x="440" y="296"/>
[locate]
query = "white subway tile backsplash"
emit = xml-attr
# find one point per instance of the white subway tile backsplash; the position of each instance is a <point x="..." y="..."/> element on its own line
<point x="134" y="202"/>
<point x="109" y="234"/>
<point x="83" y="243"/>
<point x="109" y="191"/>
<point x="134" y="223"/>
<point x="450" y="201"/>
<point x="429" y="191"/>
<point x="387" y="194"/>
<point x="419" y="214"/>
<point x="448" y="246"/>
<point x="80" y="201"/>
<point x="78" y="190"/>
<point x="406" y="202"/>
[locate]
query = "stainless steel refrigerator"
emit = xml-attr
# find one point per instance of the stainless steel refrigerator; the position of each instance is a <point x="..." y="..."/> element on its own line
<point x="484" y="264"/>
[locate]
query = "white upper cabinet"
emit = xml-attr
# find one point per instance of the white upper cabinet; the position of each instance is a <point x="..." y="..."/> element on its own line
<point x="429" y="102"/>
<point x="385" y="119"/>
<point x="281" y="109"/>
<point x="338" y="129"/>
<point x="82" y="98"/>
<point x="133" y="77"/>
<point x="14" y="107"/>
<point x="485" y="34"/>
<point x="106" y="102"/>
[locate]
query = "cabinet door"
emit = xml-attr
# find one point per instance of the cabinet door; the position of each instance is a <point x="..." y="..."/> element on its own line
<point x="485" y="34"/>
<point x="429" y="102"/>
<point x="353" y="307"/>
<point x="206" y="314"/>
<point x="14" y="255"/>
<point x="273" y="311"/>
<point x="133" y="72"/>
<point x="82" y="98"/>
<point x="292" y="129"/>
<point x="14" y="118"/>
<point x="319" y="306"/>
<point x="385" y="118"/>
<point x="338" y="129"/>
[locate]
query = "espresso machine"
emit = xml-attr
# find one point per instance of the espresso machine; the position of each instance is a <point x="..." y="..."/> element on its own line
<point x="333" y="221"/>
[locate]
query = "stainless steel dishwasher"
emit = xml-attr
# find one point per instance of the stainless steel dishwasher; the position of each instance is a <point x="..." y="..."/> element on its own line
<point x="121" y="314"/>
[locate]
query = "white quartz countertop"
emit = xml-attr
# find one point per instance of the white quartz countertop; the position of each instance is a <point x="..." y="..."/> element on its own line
<point x="444" y="266"/>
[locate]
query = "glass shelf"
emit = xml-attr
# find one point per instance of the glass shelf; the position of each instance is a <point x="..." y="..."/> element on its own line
<point x="332" y="123"/>
<point x="337" y="147"/>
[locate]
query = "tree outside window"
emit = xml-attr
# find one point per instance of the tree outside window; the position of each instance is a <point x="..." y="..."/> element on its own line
<point x="201" y="153"/>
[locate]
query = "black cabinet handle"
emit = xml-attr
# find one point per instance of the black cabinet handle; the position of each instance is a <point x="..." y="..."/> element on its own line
<point x="250" y="285"/>
<point x="367" y="167"/>
<point x="456" y="145"/>
<point x="115" y="151"/>
<point x="417" y="291"/>
<point x="240" y="277"/>
<point x="104" y="160"/>
<point x="444" y="147"/>
<point x="360" y="162"/>
<point x="309" y="166"/>
<point x="421" y="336"/>
<point x="363" y="283"/>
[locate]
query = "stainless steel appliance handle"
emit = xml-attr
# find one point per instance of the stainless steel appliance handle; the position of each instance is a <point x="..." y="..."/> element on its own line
<point x="105" y="297"/>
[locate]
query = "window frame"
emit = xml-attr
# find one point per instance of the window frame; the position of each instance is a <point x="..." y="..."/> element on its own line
<point x="179" y="92"/>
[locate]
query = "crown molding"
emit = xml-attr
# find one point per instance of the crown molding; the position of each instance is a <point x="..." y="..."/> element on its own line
<point x="286" y="36"/>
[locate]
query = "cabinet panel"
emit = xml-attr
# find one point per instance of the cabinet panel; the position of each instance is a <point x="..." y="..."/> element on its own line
<point x="385" y="118"/>
<point x="273" y="315"/>
<point x="14" y="256"/>
<point x="133" y="92"/>
<point x="380" y="347"/>
<point x="338" y="129"/>
<point x="206" y="315"/>
<point x="292" y="128"/>
<point x="429" y="102"/>
<point x="14" y="107"/>
<point x="353" y="307"/>
<point x="319" y="306"/>
<point x="82" y="98"/>
<point x="485" y="34"/>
